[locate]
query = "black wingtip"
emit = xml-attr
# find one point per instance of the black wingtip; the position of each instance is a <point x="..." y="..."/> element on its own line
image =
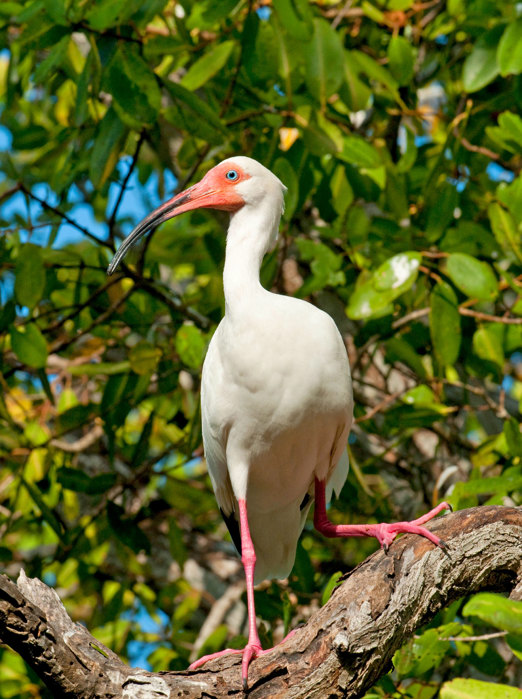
<point x="233" y="528"/>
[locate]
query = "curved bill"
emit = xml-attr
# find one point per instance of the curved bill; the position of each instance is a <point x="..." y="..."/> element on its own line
<point x="171" y="208"/>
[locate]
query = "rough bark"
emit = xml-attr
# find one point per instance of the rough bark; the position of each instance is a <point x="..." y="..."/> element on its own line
<point x="341" y="652"/>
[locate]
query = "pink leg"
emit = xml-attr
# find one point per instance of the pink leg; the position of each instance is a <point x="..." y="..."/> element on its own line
<point x="384" y="533"/>
<point x="253" y="647"/>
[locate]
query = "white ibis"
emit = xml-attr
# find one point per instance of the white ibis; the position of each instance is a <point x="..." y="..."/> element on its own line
<point x="276" y="396"/>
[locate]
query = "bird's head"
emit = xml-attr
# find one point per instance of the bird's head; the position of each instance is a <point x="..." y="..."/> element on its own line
<point x="232" y="185"/>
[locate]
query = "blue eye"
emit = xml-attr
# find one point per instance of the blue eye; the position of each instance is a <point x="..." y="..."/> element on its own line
<point x="232" y="175"/>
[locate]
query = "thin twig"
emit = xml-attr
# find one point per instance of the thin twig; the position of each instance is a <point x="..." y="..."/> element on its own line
<point x="65" y="217"/>
<point x="419" y="313"/>
<point x="478" y="149"/>
<point x="9" y="192"/>
<point x="488" y="317"/>
<point x="112" y="217"/>
<point x="80" y="444"/>
<point x="380" y="406"/>
<point x="483" y="637"/>
<point x="341" y="14"/>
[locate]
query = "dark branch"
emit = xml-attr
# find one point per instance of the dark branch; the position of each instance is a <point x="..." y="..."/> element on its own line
<point x="346" y="646"/>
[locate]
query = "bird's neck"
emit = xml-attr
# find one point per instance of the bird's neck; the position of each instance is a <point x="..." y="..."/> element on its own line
<point x="250" y="234"/>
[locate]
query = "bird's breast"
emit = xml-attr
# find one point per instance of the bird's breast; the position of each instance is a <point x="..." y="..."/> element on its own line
<point x="276" y="396"/>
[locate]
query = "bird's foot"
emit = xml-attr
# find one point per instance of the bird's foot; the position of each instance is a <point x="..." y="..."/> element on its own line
<point x="386" y="533"/>
<point x="249" y="653"/>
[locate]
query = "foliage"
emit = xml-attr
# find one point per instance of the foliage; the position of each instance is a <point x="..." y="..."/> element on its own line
<point x="396" y="127"/>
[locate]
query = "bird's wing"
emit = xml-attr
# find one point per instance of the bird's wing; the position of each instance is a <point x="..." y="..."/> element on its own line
<point x="214" y="443"/>
<point x="218" y="472"/>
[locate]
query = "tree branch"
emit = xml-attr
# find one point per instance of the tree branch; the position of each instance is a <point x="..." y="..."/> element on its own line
<point x="346" y="646"/>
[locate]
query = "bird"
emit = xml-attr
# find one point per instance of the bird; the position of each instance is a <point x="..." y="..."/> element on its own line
<point x="276" y="393"/>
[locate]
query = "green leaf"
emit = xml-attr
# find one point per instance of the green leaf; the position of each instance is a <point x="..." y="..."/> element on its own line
<point x="106" y="149"/>
<point x="373" y="297"/>
<point x="207" y="66"/>
<point x="509" y="53"/>
<point x="85" y="81"/>
<point x="260" y="40"/>
<point x="195" y="107"/>
<point x="144" y="358"/>
<point x="100" y="368"/>
<point x="356" y="151"/>
<point x="56" y="10"/>
<point x="142" y="447"/>
<point x="505" y="231"/>
<point x="514" y="641"/>
<point x="286" y="174"/>
<point x="496" y="485"/>
<point x="480" y="67"/>
<point x="214" y="641"/>
<point x="474" y="278"/>
<point x="409" y="156"/>
<point x="488" y="343"/>
<point x="178" y="550"/>
<point x="53" y="60"/>
<point x="399" y="272"/>
<point x="477" y="689"/>
<point x="330" y="587"/>
<point x="134" y="88"/>
<point x="80" y="482"/>
<point x="214" y="12"/>
<point x="47" y="512"/>
<point x="296" y="17"/>
<point x="354" y="92"/>
<point x="445" y="328"/>
<point x="342" y="192"/>
<point x="508" y="133"/>
<point x="441" y="204"/>
<point x="373" y="70"/>
<point x="366" y="302"/>
<point x="511" y="196"/>
<point x="29" y="275"/>
<point x="104" y="13"/>
<point x="513" y="437"/>
<point x="325" y="266"/>
<point x="29" y="345"/>
<point x="324" y="62"/>
<point x="499" y="611"/>
<point x="127" y="529"/>
<point x="422" y="653"/>
<point x="191" y="346"/>
<point x="190" y="113"/>
<point x="401" y="59"/>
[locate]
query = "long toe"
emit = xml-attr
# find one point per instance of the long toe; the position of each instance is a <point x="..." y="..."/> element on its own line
<point x="213" y="656"/>
<point x="249" y="652"/>
<point x="388" y="532"/>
